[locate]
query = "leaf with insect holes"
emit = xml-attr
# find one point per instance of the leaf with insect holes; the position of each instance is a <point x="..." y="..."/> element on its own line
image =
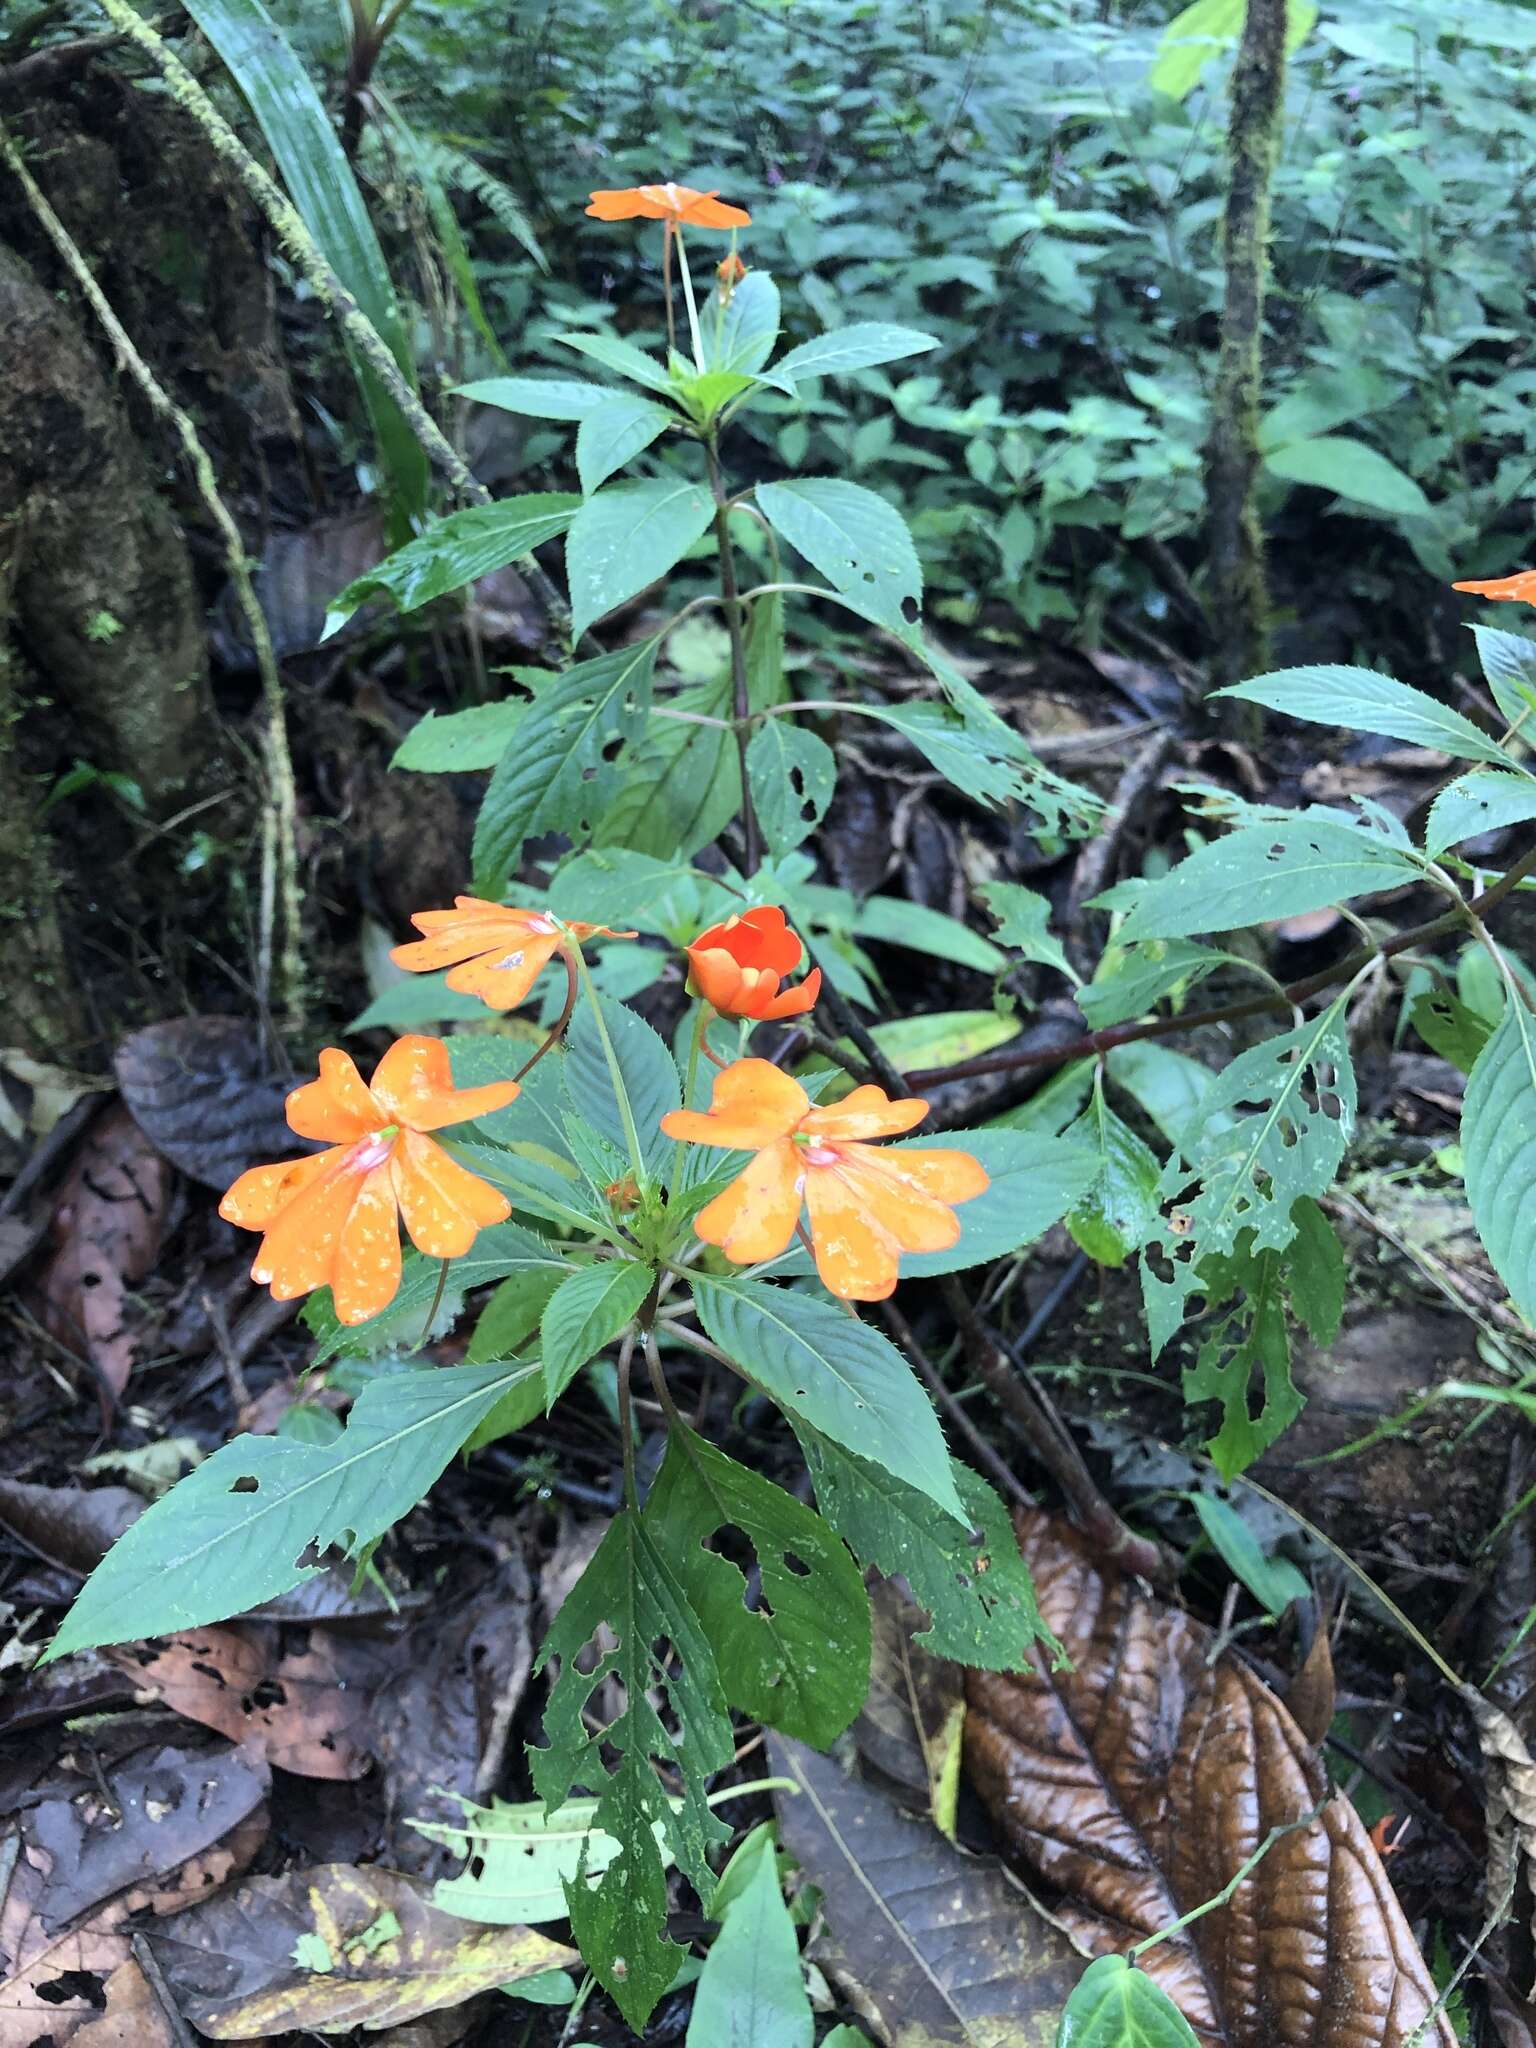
<point x="856" y="540"/>
<point x="1023" y="919"/>
<point x="1333" y="695"/>
<point x="1290" y="1110"/>
<point x="1482" y="801"/>
<point x="1450" y="1027"/>
<point x="560" y="774"/>
<point x="792" y="774"/>
<point x="826" y="1367"/>
<point x="585" y="1313"/>
<point x="539" y="398"/>
<point x="1119" y="1212"/>
<point x="455" y="551"/>
<point x="614" y="433"/>
<point x="991" y="768"/>
<point x="243" y="1526"/>
<point x="1266" y="871"/>
<point x="797" y="1659"/>
<point x="657" y="1650"/>
<point x="1498" y="1141"/>
<point x="967" y="1574"/>
<point x="626" y="537"/>
<point x="520" y="1859"/>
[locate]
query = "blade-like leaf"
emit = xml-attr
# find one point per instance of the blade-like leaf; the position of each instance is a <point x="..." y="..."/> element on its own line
<point x="858" y="347"/>
<point x="751" y="1993"/>
<point x="646" y="1068"/>
<point x="622" y="357"/>
<point x="1119" y="1211"/>
<point x="1335" y="462"/>
<point x="1333" y="695"/>
<point x="1483" y="801"/>
<point x="614" y="433"/>
<point x="1266" y="871"/>
<point x="625" y="537"/>
<point x="585" y="1313"/>
<point x="748" y="327"/>
<point x="1509" y="669"/>
<point x="456" y="550"/>
<point x="1130" y="979"/>
<point x="858" y="541"/>
<point x="539" y="398"/>
<point x="1498" y="1141"/>
<point x="456" y="742"/>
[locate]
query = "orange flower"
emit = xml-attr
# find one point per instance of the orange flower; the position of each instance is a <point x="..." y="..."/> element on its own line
<point x="1521" y="587"/>
<point x="332" y="1217"/>
<point x="864" y="1207"/>
<point x="679" y="204"/>
<point x="495" y="953"/>
<point x="730" y="273"/>
<point x="738" y="966"/>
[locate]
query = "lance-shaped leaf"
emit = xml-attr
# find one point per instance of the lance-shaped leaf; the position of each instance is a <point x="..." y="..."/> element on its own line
<point x="1509" y="669"/>
<point x="798" y="1659"/>
<point x="455" y="551"/>
<point x="1483" y="801"/>
<point x="858" y="542"/>
<point x="748" y="326"/>
<point x="1332" y="695"/>
<point x="658" y="1652"/>
<point x="539" y="398"/>
<point x="585" y="1312"/>
<point x="858" y="347"/>
<point x="646" y="1069"/>
<point x="1130" y="979"/>
<point x="614" y="434"/>
<point x="627" y="536"/>
<point x="751" y="1993"/>
<point x="242" y="1527"/>
<point x="1137" y="1778"/>
<point x="1498" y="1140"/>
<point x="1119" y="1212"/>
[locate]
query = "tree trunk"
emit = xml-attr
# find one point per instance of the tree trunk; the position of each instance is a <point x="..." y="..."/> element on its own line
<point x="1238" y="594"/>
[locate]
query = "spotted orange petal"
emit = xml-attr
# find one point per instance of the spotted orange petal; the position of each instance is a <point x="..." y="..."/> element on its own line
<point x="365" y="1276"/>
<point x="444" y="1205"/>
<point x="298" y="1253"/>
<point x="503" y="977"/>
<point x="867" y="1113"/>
<point x="414" y="1082"/>
<point x="856" y="1255"/>
<point x="337" y="1107"/>
<point x="917" y="1220"/>
<point x="261" y="1195"/>
<point x="1519" y="588"/>
<point x="455" y="935"/>
<point x="755" y="1217"/>
<point x="753" y="1104"/>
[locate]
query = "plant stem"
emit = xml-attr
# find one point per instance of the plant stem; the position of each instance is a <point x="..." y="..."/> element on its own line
<point x="735" y="626"/>
<point x="693" y="311"/>
<point x="557" y="1030"/>
<point x="627" y="1421"/>
<point x="666" y="289"/>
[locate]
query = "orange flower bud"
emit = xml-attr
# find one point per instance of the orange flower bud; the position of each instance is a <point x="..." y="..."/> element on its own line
<point x="730" y="273"/>
<point x="738" y="966"/>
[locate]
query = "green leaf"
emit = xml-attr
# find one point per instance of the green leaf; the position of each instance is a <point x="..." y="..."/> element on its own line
<point x="857" y="541"/>
<point x="1260" y="872"/>
<point x="503" y="1249"/>
<point x="1335" y="462"/>
<point x="1119" y="1212"/>
<point x="1332" y="695"/>
<point x="750" y="1992"/>
<point x="1449" y="1027"/>
<point x="585" y="1313"/>
<point x="614" y="433"/>
<point x="622" y="357"/>
<point x="455" y="742"/>
<point x="990" y="769"/>
<point x="823" y="1365"/>
<point x="940" y="1038"/>
<point x="1509" y="669"/>
<point x="896" y="922"/>
<point x="1273" y="1581"/>
<point x="1498" y="1142"/>
<point x="320" y="183"/>
<point x="1290" y="1109"/>
<point x="979" y="1595"/>
<point x="1481" y="801"/>
<point x="707" y="396"/>
<point x="455" y="551"/>
<point x="858" y="347"/>
<point x="557" y="774"/>
<point x="1050" y="1109"/>
<point x="792" y="774"/>
<point x="656" y="1650"/>
<point x="414" y="1002"/>
<point x="1035" y="1181"/>
<point x="519" y="1859"/>
<point x="1168" y="1085"/>
<point x="798" y="1658"/>
<point x="1022" y="917"/>
<point x="1129" y="980"/>
<point x="1324" y="399"/>
<point x="627" y="536"/>
<point x="540" y="398"/>
<point x="234" y="1531"/>
<point x="512" y="1314"/>
<point x="747" y="328"/>
<point x="647" y="1069"/>
<point x="1116" y="2006"/>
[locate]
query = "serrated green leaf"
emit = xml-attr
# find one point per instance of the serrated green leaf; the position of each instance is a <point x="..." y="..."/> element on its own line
<point x="1260" y="872"/>
<point x="1509" y="669"/>
<point x="1244" y="1357"/>
<point x="628" y="535"/>
<point x="455" y="551"/>
<point x="792" y="775"/>
<point x="1328" y="693"/>
<point x="1482" y="801"/>
<point x="751" y="1993"/>
<point x="896" y="922"/>
<point x="584" y="1314"/>
<point x="987" y="771"/>
<point x="798" y="1660"/>
<point x="858" y="541"/>
<point x="833" y="1371"/>
<point x="1273" y="1581"/>
<point x="455" y="742"/>
<point x="614" y="433"/>
<point x="234" y="1531"/>
<point x="656" y="1650"/>
<point x="414" y="1003"/>
<point x="1116" y="2006"/>
<point x="503" y="1249"/>
<point x="979" y="1595"/>
<point x="539" y="398"/>
<point x="557" y="775"/>
<point x="858" y="347"/>
<point x="1119" y="1211"/>
<point x="512" y="1314"/>
<point x="1335" y="462"/>
<point x="742" y="337"/>
<point x="1023" y="917"/>
<point x="1498" y="1142"/>
<point x="648" y="1072"/>
<point x="1168" y="1085"/>
<point x="1130" y="979"/>
<point x="622" y="357"/>
<point x="1450" y="1027"/>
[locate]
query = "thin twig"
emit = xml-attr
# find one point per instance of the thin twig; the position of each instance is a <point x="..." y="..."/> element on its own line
<point x="928" y="1372"/>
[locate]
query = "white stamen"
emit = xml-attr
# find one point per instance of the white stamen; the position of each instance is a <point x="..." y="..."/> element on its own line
<point x="370" y="1152"/>
<point x="538" y="924"/>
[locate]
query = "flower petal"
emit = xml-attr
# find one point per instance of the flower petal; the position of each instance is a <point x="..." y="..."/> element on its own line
<point x="856" y="1255"/>
<point x="755" y="1218"/>
<point x="794" y="1002"/>
<point x="917" y="1219"/>
<point x="753" y="1104"/>
<point x="443" y="1204"/>
<point x="1521" y="587"/>
<point x="454" y="935"/>
<point x="338" y="1106"/>
<point x="867" y="1113"/>
<point x="299" y="1251"/>
<point x="365" y="1277"/>
<point x="502" y="978"/>
<point x="261" y="1195"/>
<point x="949" y="1176"/>
<point x="628" y="205"/>
<point x="414" y="1082"/>
<point x="710" y="212"/>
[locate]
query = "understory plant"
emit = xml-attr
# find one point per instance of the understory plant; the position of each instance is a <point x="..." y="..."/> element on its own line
<point x="753" y="1191"/>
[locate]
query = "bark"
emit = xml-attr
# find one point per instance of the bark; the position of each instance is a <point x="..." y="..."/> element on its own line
<point x="1238" y="594"/>
<point x="38" y="1006"/>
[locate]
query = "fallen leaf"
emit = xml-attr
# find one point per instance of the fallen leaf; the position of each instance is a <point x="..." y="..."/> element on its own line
<point x="299" y="1711"/>
<point x="1138" y="1781"/>
<point x="933" y="1948"/>
<point x="71" y="1526"/>
<point x="230" y="1962"/>
<point x="34" y="1096"/>
<point x="914" y="1713"/>
<point x="1509" y="1794"/>
<point x="203" y="1092"/>
<point x="133" y="2016"/>
<point x="1310" y="1695"/>
<point x="107" y="1223"/>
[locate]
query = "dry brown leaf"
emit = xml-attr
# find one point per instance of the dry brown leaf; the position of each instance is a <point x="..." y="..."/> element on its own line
<point x="1138" y="1782"/>
<point x="1509" y="1800"/>
<point x="1311" y="1694"/>
<point x="132" y="2018"/>
<point x="298" y="1711"/>
<point x="203" y="1092"/>
<point x="332" y="1948"/>
<point x="108" y="1224"/>
<point x="913" y="1715"/>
